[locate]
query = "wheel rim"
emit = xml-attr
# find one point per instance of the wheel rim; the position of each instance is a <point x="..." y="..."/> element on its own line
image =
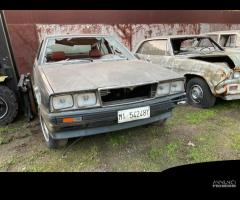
<point x="3" y="108"/>
<point x="196" y="93"/>
<point x="44" y="130"/>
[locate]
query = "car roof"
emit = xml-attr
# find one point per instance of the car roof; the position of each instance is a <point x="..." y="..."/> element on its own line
<point x="224" y="32"/>
<point x="175" y="36"/>
<point x="72" y="35"/>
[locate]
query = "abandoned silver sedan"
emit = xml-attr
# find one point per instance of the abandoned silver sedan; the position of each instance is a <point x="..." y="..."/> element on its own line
<point x="91" y="84"/>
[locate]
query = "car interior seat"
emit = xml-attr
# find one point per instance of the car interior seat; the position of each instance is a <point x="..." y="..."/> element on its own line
<point x="95" y="53"/>
<point x="58" y="56"/>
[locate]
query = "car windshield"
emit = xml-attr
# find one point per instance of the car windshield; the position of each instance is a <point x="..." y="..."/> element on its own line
<point x="192" y="45"/>
<point x="84" y="49"/>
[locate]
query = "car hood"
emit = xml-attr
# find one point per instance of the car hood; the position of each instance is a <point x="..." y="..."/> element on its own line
<point x="235" y="57"/>
<point x="90" y="76"/>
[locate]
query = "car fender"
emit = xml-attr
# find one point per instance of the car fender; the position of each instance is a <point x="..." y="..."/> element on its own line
<point x="212" y="73"/>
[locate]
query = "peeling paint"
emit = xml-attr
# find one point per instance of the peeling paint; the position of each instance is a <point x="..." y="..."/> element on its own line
<point x="129" y="34"/>
<point x="26" y="37"/>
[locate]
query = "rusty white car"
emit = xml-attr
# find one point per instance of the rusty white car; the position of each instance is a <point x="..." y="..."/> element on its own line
<point x="228" y="40"/>
<point x="210" y="72"/>
<point x="92" y="84"/>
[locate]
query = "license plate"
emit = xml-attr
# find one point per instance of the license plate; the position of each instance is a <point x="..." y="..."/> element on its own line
<point x="133" y="114"/>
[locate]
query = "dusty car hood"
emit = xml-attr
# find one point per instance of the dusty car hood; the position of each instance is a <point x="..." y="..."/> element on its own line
<point x="89" y="76"/>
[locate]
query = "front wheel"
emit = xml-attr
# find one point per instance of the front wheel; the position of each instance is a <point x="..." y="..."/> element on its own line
<point x="8" y="105"/>
<point x="51" y="143"/>
<point x="199" y="93"/>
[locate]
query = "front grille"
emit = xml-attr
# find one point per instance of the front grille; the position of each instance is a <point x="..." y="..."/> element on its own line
<point x="127" y="94"/>
<point x="104" y="92"/>
<point x="153" y="91"/>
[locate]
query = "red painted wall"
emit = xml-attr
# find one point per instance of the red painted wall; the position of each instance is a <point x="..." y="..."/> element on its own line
<point x="121" y="16"/>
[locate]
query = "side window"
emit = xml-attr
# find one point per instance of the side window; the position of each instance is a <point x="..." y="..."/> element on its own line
<point x="205" y="43"/>
<point x="153" y="47"/>
<point x="188" y="43"/>
<point x="228" y="40"/>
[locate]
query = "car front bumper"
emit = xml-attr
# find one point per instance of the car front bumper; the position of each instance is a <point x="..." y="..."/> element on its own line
<point x="104" y="119"/>
<point x="225" y="91"/>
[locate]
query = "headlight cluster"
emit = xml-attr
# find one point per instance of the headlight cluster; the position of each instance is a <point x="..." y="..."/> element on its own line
<point x="61" y="102"/>
<point x="167" y="88"/>
<point x="236" y="75"/>
<point x="86" y="99"/>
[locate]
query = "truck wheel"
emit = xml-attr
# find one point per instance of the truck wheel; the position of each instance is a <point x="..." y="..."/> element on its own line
<point x="8" y="105"/>
<point x="199" y="93"/>
<point x="51" y="143"/>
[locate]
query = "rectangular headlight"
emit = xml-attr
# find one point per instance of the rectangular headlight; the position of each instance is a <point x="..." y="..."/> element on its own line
<point x="176" y="87"/>
<point x="86" y="99"/>
<point x="163" y="89"/>
<point x="236" y="75"/>
<point x="62" y="102"/>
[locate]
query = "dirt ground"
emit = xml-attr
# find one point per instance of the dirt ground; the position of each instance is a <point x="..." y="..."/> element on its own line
<point x="191" y="135"/>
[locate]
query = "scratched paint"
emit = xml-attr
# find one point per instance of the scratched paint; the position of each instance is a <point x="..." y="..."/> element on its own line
<point x="218" y="27"/>
<point x="129" y="34"/>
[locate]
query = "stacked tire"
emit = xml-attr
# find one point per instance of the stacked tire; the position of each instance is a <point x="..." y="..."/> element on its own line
<point x="8" y="105"/>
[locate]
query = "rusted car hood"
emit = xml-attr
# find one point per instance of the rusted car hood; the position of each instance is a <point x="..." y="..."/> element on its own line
<point x="235" y="57"/>
<point x="89" y="76"/>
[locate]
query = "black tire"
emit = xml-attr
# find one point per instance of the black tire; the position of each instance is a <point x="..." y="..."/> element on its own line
<point x="8" y="105"/>
<point x="199" y="93"/>
<point x="50" y="142"/>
